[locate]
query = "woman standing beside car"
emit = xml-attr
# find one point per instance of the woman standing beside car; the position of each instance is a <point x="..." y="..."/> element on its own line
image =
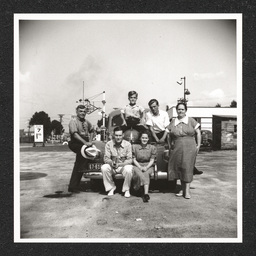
<point x="183" y="148"/>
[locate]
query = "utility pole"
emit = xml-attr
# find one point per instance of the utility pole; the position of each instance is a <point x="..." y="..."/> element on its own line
<point x="90" y="108"/>
<point x="29" y="126"/>
<point x="83" y="92"/>
<point x="185" y="92"/>
<point x="83" y="100"/>
<point x="104" y="109"/>
<point x="184" y="78"/>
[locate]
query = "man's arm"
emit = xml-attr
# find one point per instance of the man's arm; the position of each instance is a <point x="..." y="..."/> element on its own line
<point x="77" y="137"/>
<point x="149" y="123"/>
<point x="91" y="133"/>
<point x="164" y="136"/>
<point x="107" y="155"/>
<point x="123" y="117"/>
<point x="153" y="133"/>
<point x="166" y="123"/>
<point x="143" y="118"/>
<point x="128" y="159"/>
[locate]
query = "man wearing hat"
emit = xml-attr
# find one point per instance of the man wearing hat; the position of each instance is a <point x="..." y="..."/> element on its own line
<point x="81" y="132"/>
<point x="118" y="159"/>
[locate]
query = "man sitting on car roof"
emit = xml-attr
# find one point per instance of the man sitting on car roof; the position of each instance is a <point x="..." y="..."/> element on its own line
<point x="132" y="113"/>
<point x="157" y="120"/>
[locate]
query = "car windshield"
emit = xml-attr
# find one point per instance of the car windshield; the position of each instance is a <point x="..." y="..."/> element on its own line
<point x="117" y="120"/>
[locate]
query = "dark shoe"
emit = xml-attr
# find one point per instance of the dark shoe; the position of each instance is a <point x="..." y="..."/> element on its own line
<point x="145" y="198"/>
<point x="72" y="190"/>
<point x="197" y="172"/>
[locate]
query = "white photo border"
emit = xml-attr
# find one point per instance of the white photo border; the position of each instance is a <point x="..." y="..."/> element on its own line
<point x="201" y="16"/>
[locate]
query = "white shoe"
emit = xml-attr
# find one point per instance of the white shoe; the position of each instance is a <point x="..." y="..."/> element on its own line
<point x="127" y="193"/>
<point x="111" y="191"/>
<point x="180" y="193"/>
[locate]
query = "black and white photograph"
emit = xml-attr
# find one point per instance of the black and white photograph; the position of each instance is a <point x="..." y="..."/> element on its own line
<point x="128" y="128"/>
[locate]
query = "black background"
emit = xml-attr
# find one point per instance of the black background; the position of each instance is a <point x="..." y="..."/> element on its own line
<point x="8" y="8"/>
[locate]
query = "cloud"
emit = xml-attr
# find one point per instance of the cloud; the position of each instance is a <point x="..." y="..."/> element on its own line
<point x="87" y="71"/>
<point x="204" y="76"/>
<point x="211" y="98"/>
<point x="217" y="94"/>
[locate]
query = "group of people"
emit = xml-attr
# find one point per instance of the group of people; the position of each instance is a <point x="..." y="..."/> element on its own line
<point x="136" y="162"/>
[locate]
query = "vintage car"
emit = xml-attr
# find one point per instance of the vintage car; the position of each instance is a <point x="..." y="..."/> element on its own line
<point x="93" y="171"/>
<point x="206" y="139"/>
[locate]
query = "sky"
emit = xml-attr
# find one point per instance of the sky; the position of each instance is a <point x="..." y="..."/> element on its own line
<point x="56" y="57"/>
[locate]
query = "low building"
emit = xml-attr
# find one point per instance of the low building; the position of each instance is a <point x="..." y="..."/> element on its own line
<point x="224" y="131"/>
<point x="26" y="136"/>
<point x="220" y="121"/>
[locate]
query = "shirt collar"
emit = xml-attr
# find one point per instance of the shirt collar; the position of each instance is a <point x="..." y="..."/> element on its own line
<point x="183" y="120"/>
<point x="121" y="145"/>
<point x="154" y="114"/>
<point x="80" y="119"/>
<point x="132" y="106"/>
<point x="140" y="146"/>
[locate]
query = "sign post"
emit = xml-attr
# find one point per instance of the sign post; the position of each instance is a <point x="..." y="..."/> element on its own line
<point x="38" y="134"/>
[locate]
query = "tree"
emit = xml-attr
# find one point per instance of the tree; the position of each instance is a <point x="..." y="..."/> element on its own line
<point x="233" y="104"/>
<point x="57" y="127"/>
<point x="218" y="105"/>
<point x="42" y="118"/>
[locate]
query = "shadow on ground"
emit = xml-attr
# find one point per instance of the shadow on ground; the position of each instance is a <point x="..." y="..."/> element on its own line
<point x="31" y="175"/>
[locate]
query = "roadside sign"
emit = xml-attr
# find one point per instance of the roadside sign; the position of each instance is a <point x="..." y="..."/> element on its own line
<point x="39" y="133"/>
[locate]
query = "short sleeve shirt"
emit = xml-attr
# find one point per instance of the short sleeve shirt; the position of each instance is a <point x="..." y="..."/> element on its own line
<point x="159" y="122"/>
<point x="184" y="127"/>
<point x="143" y="154"/>
<point x="82" y="127"/>
<point x="133" y="111"/>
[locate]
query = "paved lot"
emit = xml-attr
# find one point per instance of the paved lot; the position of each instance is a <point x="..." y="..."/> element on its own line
<point x="47" y="210"/>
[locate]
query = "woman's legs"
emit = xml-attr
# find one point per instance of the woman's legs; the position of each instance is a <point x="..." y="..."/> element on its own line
<point x="182" y="191"/>
<point x="146" y="182"/>
<point x="146" y="189"/>
<point x="187" y="190"/>
<point x="137" y="178"/>
<point x="146" y="196"/>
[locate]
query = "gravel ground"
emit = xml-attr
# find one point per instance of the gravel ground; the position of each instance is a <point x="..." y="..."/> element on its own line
<point x="48" y="211"/>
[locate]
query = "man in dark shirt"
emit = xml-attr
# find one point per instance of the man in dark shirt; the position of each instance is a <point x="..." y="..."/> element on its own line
<point x="81" y="132"/>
